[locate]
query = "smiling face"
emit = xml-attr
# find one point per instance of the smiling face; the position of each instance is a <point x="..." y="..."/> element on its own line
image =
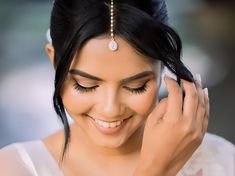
<point x="104" y="87"/>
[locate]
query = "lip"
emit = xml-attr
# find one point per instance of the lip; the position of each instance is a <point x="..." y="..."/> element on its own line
<point x="111" y="121"/>
<point x="109" y="131"/>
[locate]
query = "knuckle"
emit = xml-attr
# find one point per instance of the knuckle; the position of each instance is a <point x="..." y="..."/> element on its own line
<point x="197" y="136"/>
<point x="177" y="92"/>
<point x="173" y="122"/>
<point x="193" y="94"/>
<point x="204" y="111"/>
<point x="202" y="104"/>
<point x="201" y="111"/>
<point x="164" y="100"/>
<point x="206" y="99"/>
<point x="187" y="128"/>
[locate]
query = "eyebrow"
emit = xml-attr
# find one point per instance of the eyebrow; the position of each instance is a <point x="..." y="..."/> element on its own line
<point x="126" y="80"/>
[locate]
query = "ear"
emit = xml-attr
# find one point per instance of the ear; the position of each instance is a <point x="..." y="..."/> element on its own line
<point x="50" y="52"/>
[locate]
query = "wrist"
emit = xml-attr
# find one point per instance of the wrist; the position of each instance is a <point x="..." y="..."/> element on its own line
<point x="143" y="169"/>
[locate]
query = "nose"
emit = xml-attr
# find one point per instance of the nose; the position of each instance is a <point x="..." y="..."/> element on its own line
<point x="110" y="106"/>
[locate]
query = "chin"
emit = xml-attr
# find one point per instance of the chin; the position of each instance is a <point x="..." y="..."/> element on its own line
<point x="111" y="142"/>
<point x="131" y="132"/>
<point x="119" y="140"/>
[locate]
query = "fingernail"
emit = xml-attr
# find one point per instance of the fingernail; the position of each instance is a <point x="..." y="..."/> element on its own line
<point x="206" y="91"/>
<point x="169" y="74"/>
<point x="198" y="78"/>
<point x="166" y="77"/>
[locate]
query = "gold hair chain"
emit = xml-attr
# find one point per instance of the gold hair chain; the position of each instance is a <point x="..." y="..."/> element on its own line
<point x="113" y="46"/>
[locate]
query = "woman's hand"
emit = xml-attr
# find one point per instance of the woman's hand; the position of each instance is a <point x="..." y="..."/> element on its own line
<point x="174" y="129"/>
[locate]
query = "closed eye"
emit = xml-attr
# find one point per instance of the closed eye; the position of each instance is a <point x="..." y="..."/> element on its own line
<point x="83" y="89"/>
<point x="138" y="90"/>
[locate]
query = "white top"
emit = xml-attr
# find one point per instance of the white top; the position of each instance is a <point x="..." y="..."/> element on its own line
<point x="214" y="157"/>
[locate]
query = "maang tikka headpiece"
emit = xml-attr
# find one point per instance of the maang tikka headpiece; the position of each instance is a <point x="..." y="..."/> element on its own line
<point x="112" y="44"/>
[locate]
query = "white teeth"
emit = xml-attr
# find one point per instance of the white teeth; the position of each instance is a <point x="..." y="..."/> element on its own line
<point x="113" y="125"/>
<point x="107" y="124"/>
<point x="119" y="122"/>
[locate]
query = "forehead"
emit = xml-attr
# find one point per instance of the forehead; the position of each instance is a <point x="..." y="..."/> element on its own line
<point x="96" y="58"/>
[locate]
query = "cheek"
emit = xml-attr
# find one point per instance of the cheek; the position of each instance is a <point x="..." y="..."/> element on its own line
<point x="75" y="103"/>
<point x="78" y="103"/>
<point x="144" y="103"/>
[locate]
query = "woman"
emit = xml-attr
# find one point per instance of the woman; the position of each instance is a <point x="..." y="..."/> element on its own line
<point x="108" y="58"/>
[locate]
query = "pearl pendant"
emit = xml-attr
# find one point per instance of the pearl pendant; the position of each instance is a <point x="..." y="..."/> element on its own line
<point x="113" y="46"/>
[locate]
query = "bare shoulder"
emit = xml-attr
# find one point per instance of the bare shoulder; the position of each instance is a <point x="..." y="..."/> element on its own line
<point x="54" y="144"/>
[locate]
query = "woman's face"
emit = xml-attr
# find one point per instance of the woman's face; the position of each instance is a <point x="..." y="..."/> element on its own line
<point x="103" y="86"/>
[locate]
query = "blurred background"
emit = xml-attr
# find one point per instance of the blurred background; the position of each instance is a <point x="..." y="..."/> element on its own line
<point x="207" y="28"/>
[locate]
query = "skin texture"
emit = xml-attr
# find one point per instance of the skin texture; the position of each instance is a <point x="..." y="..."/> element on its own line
<point x="110" y="101"/>
<point x="163" y="135"/>
<point x="181" y="129"/>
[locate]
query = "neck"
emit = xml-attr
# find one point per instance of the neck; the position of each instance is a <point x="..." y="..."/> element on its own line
<point x="130" y="148"/>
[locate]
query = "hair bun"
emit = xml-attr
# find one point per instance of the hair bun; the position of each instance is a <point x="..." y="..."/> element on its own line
<point x="155" y="8"/>
<point x="160" y="11"/>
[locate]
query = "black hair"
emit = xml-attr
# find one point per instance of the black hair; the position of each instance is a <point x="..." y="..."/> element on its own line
<point x="143" y="24"/>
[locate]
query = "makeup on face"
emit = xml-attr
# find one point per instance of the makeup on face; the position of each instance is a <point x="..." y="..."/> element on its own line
<point x="140" y="76"/>
<point x="115" y="90"/>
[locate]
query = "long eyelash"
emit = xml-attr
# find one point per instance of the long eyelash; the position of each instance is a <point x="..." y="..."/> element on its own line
<point x="84" y="89"/>
<point x="90" y="89"/>
<point x="139" y="90"/>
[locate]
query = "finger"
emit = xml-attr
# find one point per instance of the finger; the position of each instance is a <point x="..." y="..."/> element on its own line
<point x="198" y="80"/>
<point x="158" y="112"/>
<point x="201" y="109"/>
<point x="207" y="114"/>
<point x="190" y="99"/>
<point x="175" y="99"/>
